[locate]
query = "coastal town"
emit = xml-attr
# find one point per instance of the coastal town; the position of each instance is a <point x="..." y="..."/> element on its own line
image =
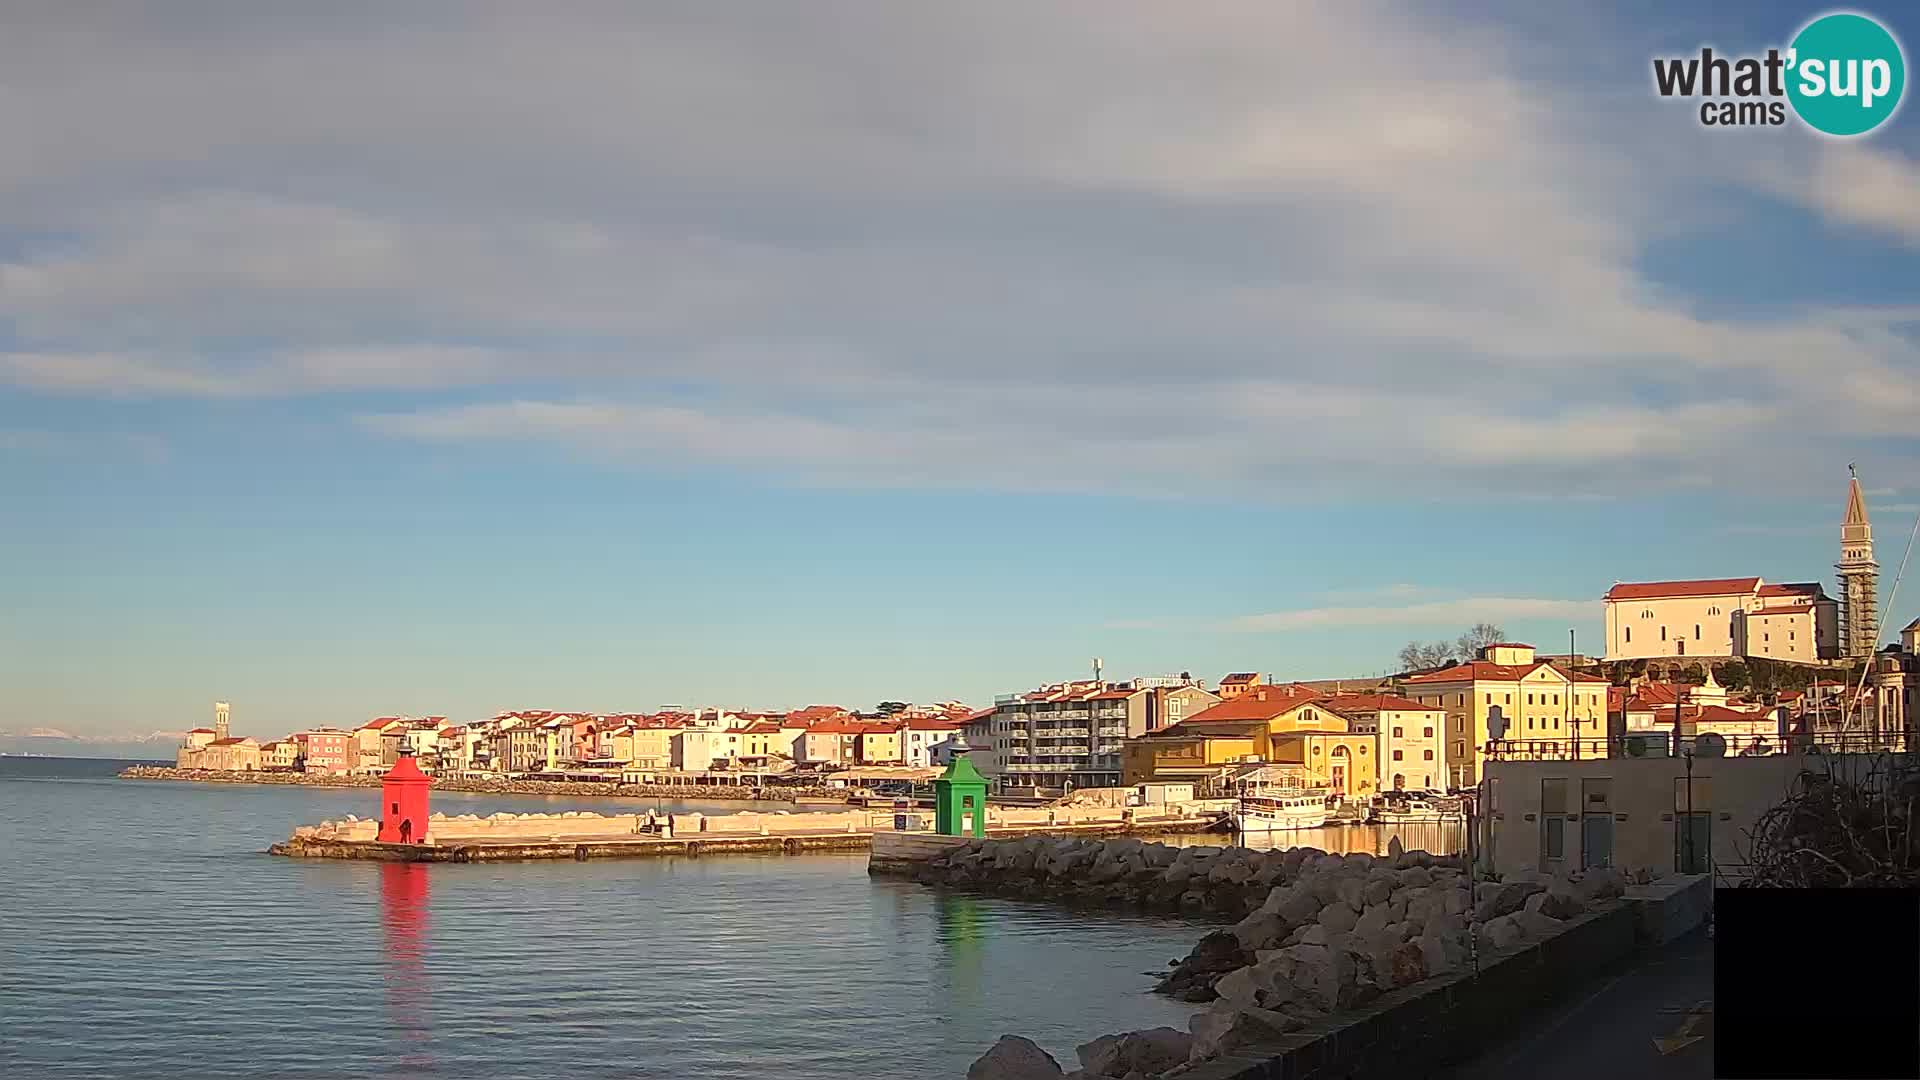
<point x="1734" y="666"/>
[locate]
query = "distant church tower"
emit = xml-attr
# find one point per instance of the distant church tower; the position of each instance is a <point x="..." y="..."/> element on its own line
<point x="1859" y="577"/>
<point x="220" y="717"/>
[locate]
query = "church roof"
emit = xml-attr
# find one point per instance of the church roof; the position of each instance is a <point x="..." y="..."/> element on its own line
<point x="1856" y="503"/>
<point x="1655" y="590"/>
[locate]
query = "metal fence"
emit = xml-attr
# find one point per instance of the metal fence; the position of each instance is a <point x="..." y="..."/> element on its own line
<point x="1638" y="744"/>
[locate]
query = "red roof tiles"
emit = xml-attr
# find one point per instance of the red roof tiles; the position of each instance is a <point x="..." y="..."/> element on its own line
<point x="1260" y="703"/>
<point x="1375" y="703"/>
<point x="1487" y="671"/>
<point x="1656" y="590"/>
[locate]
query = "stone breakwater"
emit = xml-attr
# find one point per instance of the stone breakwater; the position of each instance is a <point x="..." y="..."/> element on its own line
<point x="715" y="793"/>
<point x="1318" y="934"/>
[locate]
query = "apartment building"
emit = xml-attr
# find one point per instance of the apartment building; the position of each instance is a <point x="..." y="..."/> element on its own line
<point x="1072" y="734"/>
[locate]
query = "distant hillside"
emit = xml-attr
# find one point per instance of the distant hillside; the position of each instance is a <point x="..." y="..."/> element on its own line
<point x="158" y="746"/>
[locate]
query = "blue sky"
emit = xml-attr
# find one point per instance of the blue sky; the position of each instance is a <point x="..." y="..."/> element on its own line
<point x="608" y="356"/>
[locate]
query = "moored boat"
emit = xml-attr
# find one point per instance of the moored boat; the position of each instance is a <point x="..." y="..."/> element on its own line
<point x="1271" y="810"/>
<point x="1413" y="807"/>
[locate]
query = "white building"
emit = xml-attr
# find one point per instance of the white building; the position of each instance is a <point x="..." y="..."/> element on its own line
<point x="1717" y="617"/>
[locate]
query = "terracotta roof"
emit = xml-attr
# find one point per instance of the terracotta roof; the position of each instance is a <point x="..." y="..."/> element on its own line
<point x="1721" y="713"/>
<point x="1655" y="590"/>
<point x="1508" y="645"/>
<point x="764" y="727"/>
<point x="1239" y="677"/>
<point x="1802" y="588"/>
<point x="1488" y="671"/>
<point x="927" y="723"/>
<point x="227" y="742"/>
<point x="1112" y="695"/>
<point x="1260" y="703"/>
<point x="838" y="727"/>
<point x="201" y="731"/>
<point x="379" y="723"/>
<point x="1375" y="703"/>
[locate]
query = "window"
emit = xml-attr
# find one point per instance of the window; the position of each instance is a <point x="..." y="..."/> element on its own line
<point x="1427" y="781"/>
<point x="1696" y="631"/>
<point x="1529" y="699"/>
<point x="1396" y="732"/>
<point x="1397" y="755"/>
<point x="1556" y="699"/>
<point x="1529" y="723"/>
<point x="1428" y="732"/>
<point x="1429" y="755"/>
<point x="1713" y="611"/>
<point x="1629" y="633"/>
<point x="1663" y="633"/>
<point x="1646" y="613"/>
<point x="1509" y="699"/>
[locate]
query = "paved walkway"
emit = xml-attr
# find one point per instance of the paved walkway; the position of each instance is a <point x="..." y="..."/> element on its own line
<point x="1650" y="1022"/>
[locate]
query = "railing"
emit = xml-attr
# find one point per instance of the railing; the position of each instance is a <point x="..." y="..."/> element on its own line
<point x="1044" y="732"/>
<point x="1655" y="744"/>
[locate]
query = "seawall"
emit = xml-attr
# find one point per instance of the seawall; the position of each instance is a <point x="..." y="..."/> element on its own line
<point x="584" y="835"/>
<point x="702" y="793"/>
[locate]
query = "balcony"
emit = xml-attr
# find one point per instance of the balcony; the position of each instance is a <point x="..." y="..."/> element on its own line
<point x="1061" y="732"/>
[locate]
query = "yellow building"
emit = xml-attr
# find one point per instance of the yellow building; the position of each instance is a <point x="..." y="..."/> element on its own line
<point x="879" y="745"/>
<point x="1545" y="708"/>
<point x="278" y="755"/>
<point x="1281" y="725"/>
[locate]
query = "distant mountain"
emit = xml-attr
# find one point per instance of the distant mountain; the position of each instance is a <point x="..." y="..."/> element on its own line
<point x="52" y="742"/>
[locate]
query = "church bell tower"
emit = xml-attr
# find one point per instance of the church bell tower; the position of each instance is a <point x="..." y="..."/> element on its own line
<point x="1859" y="577"/>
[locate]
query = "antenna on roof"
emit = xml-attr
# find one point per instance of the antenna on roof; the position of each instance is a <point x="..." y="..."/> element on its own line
<point x="1096" y="668"/>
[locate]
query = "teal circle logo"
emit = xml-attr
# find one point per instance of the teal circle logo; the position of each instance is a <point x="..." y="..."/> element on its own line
<point x="1846" y="74"/>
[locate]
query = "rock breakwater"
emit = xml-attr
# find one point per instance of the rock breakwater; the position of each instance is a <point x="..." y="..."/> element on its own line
<point x="1317" y="934"/>
<point x="712" y="792"/>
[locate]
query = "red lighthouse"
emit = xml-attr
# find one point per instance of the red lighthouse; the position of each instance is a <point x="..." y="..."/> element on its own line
<point x="403" y="803"/>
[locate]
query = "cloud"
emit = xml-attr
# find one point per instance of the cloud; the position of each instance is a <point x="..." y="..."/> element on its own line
<point x="1457" y="612"/>
<point x="285" y="373"/>
<point x="1107" y="247"/>
<point x="1465" y="611"/>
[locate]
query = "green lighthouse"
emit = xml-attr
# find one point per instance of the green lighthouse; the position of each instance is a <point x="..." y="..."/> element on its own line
<point x="960" y="796"/>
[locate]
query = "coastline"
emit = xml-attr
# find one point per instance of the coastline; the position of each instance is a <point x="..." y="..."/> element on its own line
<point x="706" y="793"/>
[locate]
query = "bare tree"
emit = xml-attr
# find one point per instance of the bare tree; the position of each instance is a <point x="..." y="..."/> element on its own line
<point x="1477" y="637"/>
<point x="1420" y="655"/>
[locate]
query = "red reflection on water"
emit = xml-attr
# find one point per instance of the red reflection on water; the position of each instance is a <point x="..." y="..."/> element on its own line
<point x="403" y="919"/>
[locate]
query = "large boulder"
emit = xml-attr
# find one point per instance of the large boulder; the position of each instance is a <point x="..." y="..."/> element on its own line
<point x="1339" y="917"/>
<point x="1536" y="925"/>
<point x="1260" y="930"/>
<point x="1014" y="1058"/>
<point x="1296" y="903"/>
<point x="1154" y="1050"/>
<point x="1224" y="1028"/>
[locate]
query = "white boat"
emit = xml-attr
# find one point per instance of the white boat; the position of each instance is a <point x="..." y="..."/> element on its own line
<point x="1269" y="811"/>
<point x="1416" y="807"/>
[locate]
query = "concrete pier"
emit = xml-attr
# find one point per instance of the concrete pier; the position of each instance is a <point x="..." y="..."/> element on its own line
<point x="580" y="837"/>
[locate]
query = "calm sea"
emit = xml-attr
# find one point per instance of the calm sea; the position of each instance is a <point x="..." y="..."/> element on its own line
<point x="145" y="933"/>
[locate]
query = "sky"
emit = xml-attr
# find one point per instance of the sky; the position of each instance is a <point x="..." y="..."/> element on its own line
<point x="461" y="357"/>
